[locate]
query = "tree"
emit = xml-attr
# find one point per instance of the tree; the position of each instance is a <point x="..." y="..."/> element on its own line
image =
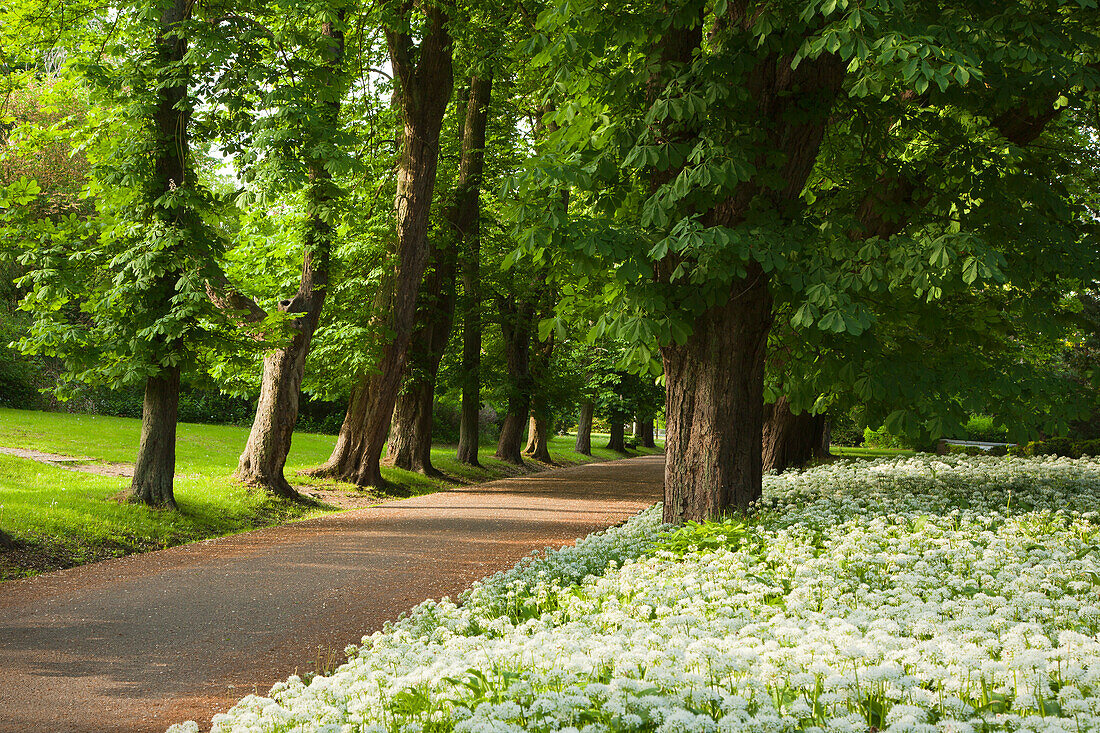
<point x="120" y="296"/>
<point x="516" y="321"/>
<point x="309" y="109"/>
<point x="411" y="436"/>
<point x="542" y="408"/>
<point x="467" y="223"/>
<point x="424" y="82"/>
<point x="583" y="443"/>
<point x="703" y="142"/>
<point x="791" y="439"/>
<point x="42" y="107"/>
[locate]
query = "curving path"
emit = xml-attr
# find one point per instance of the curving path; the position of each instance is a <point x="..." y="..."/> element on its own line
<point x="138" y="643"/>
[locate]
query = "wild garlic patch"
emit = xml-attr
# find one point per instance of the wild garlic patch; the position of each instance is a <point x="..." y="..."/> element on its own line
<point x="922" y="594"/>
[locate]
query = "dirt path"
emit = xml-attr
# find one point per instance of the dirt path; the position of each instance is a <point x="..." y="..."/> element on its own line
<point x="73" y="463"/>
<point x="138" y="643"/>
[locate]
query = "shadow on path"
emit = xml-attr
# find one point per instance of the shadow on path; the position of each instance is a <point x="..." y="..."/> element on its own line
<point x="137" y="643"/>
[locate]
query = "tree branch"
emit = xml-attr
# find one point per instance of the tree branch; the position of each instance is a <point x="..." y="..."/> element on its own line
<point x="226" y="297"/>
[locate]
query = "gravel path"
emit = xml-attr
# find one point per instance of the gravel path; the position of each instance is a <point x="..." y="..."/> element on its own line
<point x="140" y="642"/>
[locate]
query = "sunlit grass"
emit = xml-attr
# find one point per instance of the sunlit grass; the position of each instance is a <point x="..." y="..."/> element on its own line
<point x="65" y="518"/>
<point x="861" y="452"/>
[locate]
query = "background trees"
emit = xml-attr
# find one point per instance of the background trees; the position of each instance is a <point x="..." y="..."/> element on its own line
<point x="745" y="156"/>
<point x="782" y="210"/>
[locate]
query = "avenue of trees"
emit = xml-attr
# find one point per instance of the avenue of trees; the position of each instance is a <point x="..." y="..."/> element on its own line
<point x="744" y="217"/>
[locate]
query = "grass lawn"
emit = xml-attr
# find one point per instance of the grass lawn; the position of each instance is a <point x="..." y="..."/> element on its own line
<point x="63" y="518"/>
<point x="861" y="452"/>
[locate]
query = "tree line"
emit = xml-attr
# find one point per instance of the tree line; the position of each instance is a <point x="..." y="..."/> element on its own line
<point x="745" y="215"/>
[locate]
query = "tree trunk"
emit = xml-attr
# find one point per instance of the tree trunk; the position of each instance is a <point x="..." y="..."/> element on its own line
<point x="541" y="417"/>
<point x="410" y="444"/>
<point x="823" y="447"/>
<point x="715" y="405"/>
<point x="515" y="321"/>
<point x="156" y="459"/>
<point x="618" y="436"/>
<point x="155" y="466"/>
<point x="584" y="429"/>
<point x="510" y="442"/>
<point x="424" y="80"/>
<point x="411" y="437"/>
<point x="467" y="223"/>
<point x="7" y="542"/>
<point x="264" y="457"/>
<point x="790" y="440"/>
<point x="538" y="437"/>
<point x="645" y="428"/>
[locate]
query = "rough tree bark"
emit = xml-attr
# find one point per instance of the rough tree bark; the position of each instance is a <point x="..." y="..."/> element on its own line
<point x="538" y="438"/>
<point x="264" y="457"/>
<point x="411" y="437"/>
<point x="410" y="443"/>
<point x="538" y="435"/>
<point x="714" y="407"/>
<point x="467" y="223"/>
<point x="645" y="428"/>
<point x="155" y="465"/>
<point x="584" y="429"/>
<point x="424" y="79"/>
<point x="515" y="322"/>
<point x="617" y="442"/>
<point x="714" y="382"/>
<point x="791" y="440"/>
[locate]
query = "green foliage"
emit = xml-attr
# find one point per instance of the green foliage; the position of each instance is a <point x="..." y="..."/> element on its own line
<point x="731" y="533"/>
<point x="1058" y="447"/>
<point x="907" y="272"/>
<point x="883" y="438"/>
<point x="121" y="295"/>
<point x="984" y="428"/>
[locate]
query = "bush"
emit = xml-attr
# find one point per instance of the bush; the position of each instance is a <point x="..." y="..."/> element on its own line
<point x="195" y="405"/>
<point x="215" y="408"/>
<point x="446" y="419"/>
<point x="17" y="383"/>
<point x="882" y="439"/>
<point x="320" y="416"/>
<point x="846" y="435"/>
<point x="981" y="427"/>
<point x="103" y="401"/>
<point x="1064" y="447"/>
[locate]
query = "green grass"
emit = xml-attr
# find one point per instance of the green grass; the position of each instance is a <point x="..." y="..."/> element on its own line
<point x="861" y="452"/>
<point x="63" y="518"/>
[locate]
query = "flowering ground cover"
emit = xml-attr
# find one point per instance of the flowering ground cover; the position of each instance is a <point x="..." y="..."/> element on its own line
<point x="913" y="594"/>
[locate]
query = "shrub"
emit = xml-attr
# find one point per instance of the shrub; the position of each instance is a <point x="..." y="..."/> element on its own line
<point x="212" y="407"/>
<point x="195" y="405"/>
<point x="882" y="439"/>
<point x="846" y="435"/>
<point x="446" y="419"/>
<point x="1064" y="447"/>
<point x="320" y="416"/>
<point x="981" y="427"/>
